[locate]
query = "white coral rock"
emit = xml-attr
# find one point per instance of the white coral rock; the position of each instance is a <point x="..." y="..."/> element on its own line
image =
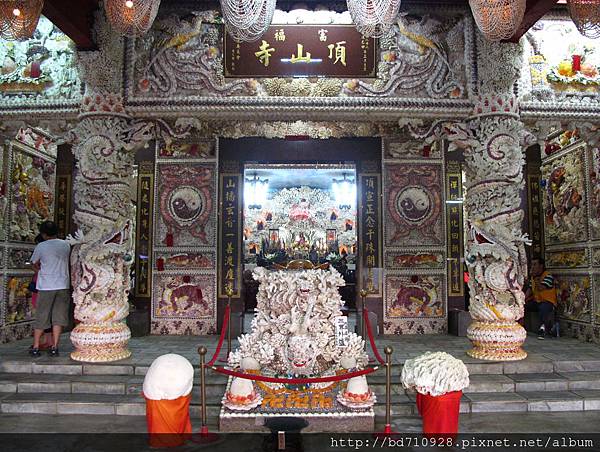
<point x="435" y="374"/>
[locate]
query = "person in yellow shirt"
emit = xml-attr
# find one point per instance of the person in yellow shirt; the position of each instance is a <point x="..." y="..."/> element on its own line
<point x="541" y="296"/>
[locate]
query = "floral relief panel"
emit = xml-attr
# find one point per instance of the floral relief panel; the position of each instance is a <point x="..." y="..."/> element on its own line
<point x="574" y="297"/>
<point x="185" y="205"/>
<point x="186" y="151"/>
<point x="410" y="148"/>
<point x="185" y="260"/>
<point x="18" y="258"/>
<point x="413" y="205"/>
<point x="563" y="185"/>
<point x="32" y="194"/>
<point x="395" y="260"/>
<point x="18" y="299"/>
<point x="570" y="258"/>
<point x="183" y="304"/>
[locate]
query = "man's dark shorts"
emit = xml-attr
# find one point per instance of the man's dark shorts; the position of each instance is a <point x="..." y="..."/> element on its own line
<point x="52" y="308"/>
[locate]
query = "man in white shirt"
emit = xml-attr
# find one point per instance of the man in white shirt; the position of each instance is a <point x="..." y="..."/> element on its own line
<point x="51" y="259"/>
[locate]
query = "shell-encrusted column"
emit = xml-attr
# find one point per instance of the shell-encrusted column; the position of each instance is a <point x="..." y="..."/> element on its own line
<point x="102" y="248"/>
<point x="495" y="252"/>
<point x="493" y="140"/>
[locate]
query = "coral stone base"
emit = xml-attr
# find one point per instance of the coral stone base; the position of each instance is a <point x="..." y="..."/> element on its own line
<point x="98" y="343"/>
<point x="497" y="341"/>
<point x="317" y="423"/>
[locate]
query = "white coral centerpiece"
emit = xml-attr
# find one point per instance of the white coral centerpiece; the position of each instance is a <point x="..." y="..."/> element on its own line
<point x="293" y="331"/>
<point x="435" y="373"/>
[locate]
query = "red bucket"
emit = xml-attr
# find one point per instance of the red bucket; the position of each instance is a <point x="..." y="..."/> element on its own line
<point x="168" y="421"/>
<point x="440" y="414"/>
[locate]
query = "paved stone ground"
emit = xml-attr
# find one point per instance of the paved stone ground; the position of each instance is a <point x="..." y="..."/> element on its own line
<point x="573" y="422"/>
<point x="146" y="349"/>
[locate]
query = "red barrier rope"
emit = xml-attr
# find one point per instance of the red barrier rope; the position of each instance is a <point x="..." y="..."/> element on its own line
<point x="332" y="378"/>
<point x="370" y="334"/>
<point x="223" y="331"/>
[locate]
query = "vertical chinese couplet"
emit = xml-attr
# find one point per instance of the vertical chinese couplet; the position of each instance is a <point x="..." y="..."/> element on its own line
<point x="369" y="231"/>
<point x="144" y="230"/>
<point x="454" y="230"/>
<point x="230" y="236"/>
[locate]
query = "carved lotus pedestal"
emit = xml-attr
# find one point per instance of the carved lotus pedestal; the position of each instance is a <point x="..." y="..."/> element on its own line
<point x="497" y="341"/>
<point x="100" y="342"/>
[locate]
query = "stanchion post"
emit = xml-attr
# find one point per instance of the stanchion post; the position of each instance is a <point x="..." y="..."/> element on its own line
<point x="229" y="294"/>
<point x="202" y="351"/>
<point x="363" y="295"/>
<point x="388" y="388"/>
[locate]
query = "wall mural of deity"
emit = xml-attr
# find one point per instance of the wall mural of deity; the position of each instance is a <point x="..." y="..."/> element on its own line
<point x="186" y="205"/>
<point x="415" y="296"/>
<point x="32" y="193"/>
<point x="563" y="184"/>
<point x="185" y="297"/>
<point x="413" y="200"/>
<point x="574" y="297"/>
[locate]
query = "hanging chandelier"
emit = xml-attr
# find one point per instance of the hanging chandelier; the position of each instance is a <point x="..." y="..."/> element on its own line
<point x="131" y="17"/>
<point x="586" y="16"/>
<point x="19" y="18"/>
<point x="247" y="20"/>
<point x="373" y="18"/>
<point x="498" y="19"/>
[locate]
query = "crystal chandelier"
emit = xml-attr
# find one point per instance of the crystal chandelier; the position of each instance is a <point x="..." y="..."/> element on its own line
<point x="373" y="18"/>
<point x="498" y="19"/>
<point x="586" y="16"/>
<point x="247" y="20"/>
<point x="19" y="18"/>
<point x="131" y="17"/>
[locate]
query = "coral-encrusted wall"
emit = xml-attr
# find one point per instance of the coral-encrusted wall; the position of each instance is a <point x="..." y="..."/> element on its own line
<point x="570" y="194"/>
<point x="415" y="300"/>
<point x="27" y="192"/>
<point x="184" y="273"/>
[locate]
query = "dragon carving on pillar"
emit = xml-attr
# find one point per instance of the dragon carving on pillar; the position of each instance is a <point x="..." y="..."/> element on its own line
<point x="102" y="252"/>
<point x="492" y="142"/>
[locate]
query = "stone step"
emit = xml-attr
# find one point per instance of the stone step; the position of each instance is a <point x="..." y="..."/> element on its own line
<point x="402" y="405"/>
<point x="215" y="385"/>
<point x="63" y="365"/>
<point x="122" y="405"/>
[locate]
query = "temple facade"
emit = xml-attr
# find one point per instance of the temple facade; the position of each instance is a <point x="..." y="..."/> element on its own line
<point x="459" y="155"/>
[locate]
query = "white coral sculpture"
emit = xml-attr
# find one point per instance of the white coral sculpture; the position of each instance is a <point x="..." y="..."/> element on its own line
<point x="294" y="305"/>
<point x="435" y="373"/>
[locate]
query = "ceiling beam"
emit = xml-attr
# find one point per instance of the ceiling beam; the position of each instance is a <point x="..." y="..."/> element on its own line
<point x="74" y="21"/>
<point x="534" y="11"/>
